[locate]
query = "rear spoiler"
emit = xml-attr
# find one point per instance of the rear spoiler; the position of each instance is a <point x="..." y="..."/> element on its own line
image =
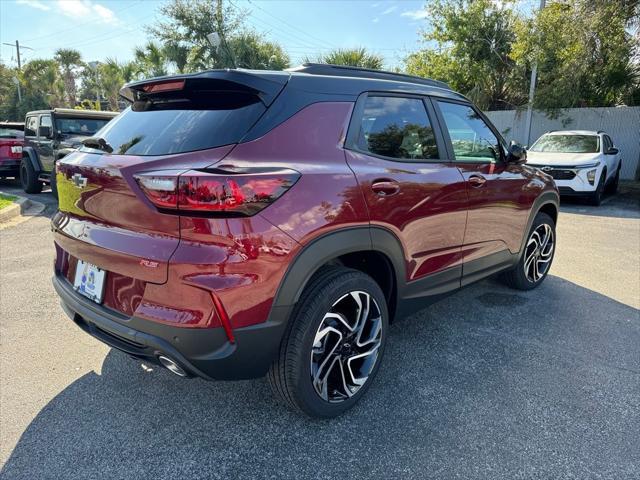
<point x="266" y="85"/>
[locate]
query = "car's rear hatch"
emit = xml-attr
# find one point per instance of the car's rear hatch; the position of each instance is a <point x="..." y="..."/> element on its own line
<point x="175" y="125"/>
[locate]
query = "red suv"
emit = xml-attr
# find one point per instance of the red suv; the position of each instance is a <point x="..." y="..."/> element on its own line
<point x="11" y="143"/>
<point x="235" y="223"/>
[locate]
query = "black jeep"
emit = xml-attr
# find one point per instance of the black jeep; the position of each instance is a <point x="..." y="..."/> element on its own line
<point x="49" y="135"/>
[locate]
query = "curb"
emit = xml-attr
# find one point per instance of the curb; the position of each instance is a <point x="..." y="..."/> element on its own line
<point x="18" y="208"/>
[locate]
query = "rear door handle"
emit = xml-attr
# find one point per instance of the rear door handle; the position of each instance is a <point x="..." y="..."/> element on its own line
<point x="477" y="180"/>
<point x="385" y="187"/>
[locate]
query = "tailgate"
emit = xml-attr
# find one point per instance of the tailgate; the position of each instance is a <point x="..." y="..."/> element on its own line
<point x="104" y="219"/>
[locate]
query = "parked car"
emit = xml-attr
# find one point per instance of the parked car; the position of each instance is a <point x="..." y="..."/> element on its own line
<point x="50" y="135"/>
<point x="582" y="162"/>
<point x="11" y="142"/>
<point x="235" y="223"/>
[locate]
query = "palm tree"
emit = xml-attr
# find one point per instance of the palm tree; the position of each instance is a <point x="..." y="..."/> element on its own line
<point x="353" y="57"/>
<point x="178" y="54"/>
<point x="111" y="80"/>
<point x="152" y="60"/>
<point x="69" y="59"/>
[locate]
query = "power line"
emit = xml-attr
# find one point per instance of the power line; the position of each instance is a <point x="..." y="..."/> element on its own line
<point x="75" y="27"/>
<point x="290" y="25"/>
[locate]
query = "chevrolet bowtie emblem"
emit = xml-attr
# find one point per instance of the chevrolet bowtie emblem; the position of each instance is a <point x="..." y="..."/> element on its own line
<point x="78" y="180"/>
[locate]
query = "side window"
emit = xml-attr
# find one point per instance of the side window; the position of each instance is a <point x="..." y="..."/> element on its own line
<point x="397" y="127"/>
<point x="471" y="137"/>
<point x="31" y="126"/>
<point x="608" y="143"/>
<point x="45" y="121"/>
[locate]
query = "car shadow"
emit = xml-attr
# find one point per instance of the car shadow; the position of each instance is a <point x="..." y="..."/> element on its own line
<point x="624" y="204"/>
<point x="487" y="383"/>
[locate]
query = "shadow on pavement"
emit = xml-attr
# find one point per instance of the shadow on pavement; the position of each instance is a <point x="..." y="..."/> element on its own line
<point x="624" y="204"/>
<point x="499" y="385"/>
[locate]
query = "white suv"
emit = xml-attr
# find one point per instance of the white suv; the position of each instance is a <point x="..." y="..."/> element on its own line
<point x="581" y="162"/>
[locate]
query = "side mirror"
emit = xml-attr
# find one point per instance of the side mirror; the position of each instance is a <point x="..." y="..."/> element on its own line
<point x="517" y="153"/>
<point x="44" y="132"/>
<point x="612" y="151"/>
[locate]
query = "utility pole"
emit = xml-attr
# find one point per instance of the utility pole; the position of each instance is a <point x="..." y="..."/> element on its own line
<point x="532" y="91"/>
<point x="18" y="47"/>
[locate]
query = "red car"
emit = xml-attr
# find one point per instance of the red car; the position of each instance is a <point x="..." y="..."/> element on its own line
<point x="235" y="223"/>
<point x="11" y="143"/>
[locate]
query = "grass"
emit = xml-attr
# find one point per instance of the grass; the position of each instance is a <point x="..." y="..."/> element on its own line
<point x="6" y="200"/>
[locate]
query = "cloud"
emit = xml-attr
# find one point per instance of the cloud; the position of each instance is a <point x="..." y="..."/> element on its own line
<point x="86" y="9"/>
<point x="415" y="14"/>
<point x="375" y="20"/>
<point x="34" y="4"/>
<point x="393" y="8"/>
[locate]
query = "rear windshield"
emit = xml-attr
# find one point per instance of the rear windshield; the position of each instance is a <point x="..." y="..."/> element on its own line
<point x="567" y="144"/>
<point x="10" y="133"/>
<point x="178" y="125"/>
<point x="79" y="126"/>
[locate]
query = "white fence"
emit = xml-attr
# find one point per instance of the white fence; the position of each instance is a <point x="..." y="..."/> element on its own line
<point x="622" y="123"/>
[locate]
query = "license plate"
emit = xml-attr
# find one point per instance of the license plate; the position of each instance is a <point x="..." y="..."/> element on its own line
<point x="89" y="281"/>
<point x="16" y="149"/>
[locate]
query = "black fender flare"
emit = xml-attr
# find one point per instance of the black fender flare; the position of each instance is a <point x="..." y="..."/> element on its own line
<point x="332" y="245"/>
<point x="550" y="197"/>
<point x="32" y="155"/>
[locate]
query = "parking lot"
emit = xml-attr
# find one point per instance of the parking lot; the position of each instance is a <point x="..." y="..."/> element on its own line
<point x="488" y="383"/>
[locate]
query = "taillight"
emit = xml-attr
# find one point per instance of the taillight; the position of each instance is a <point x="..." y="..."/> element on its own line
<point x="241" y="192"/>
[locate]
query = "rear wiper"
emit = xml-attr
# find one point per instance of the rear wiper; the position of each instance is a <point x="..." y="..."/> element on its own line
<point x="99" y="143"/>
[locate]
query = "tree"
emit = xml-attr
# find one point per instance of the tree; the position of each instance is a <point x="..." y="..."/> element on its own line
<point x="486" y="49"/>
<point x="8" y="94"/>
<point x="473" y="41"/>
<point x="43" y="85"/>
<point x="190" y="21"/>
<point x="183" y="37"/>
<point x="151" y="59"/>
<point x="354" y="57"/>
<point x="251" y="51"/>
<point x="177" y="54"/>
<point x="583" y="51"/>
<point x="110" y="74"/>
<point x="69" y="59"/>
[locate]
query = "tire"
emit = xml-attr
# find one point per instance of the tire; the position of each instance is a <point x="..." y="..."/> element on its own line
<point x="595" y="198"/>
<point x="29" y="177"/>
<point x="522" y="277"/>
<point x="612" y="188"/>
<point x="303" y="351"/>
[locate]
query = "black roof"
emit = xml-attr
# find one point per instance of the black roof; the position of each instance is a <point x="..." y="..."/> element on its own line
<point x="321" y="79"/>
<point x="360" y="72"/>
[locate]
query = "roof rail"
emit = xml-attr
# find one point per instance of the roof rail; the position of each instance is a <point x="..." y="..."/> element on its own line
<point x="360" y="72"/>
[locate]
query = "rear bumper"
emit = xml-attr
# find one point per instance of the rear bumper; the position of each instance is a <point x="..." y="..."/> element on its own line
<point x="201" y="352"/>
<point x="9" y="166"/>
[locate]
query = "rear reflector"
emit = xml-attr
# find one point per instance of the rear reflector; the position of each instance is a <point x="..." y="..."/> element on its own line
<point x="226" y="193"/>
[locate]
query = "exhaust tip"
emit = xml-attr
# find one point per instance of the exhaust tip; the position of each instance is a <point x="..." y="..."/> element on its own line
<point x="171" y="365"/>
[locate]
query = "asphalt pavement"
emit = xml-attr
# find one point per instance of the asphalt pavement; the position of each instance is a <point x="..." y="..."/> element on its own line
<point x="488" y="383"/>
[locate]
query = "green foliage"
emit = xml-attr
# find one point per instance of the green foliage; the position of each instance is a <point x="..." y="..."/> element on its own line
<point x="355" y="57"/>
<point x="251" y="51"/>
<point x="151" y="60"/>
<point x="583" y="52"/>
<point x="473" y="41"/>
<point x="188" y="22"/>
<point x="69" y="61"/>
<point x="183" y="37"/>
<point x="486" y="50"/>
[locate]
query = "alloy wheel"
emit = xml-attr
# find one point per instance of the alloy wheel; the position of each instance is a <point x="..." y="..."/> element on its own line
<point x="539" y="252"/>
<point x="346" y="346"/>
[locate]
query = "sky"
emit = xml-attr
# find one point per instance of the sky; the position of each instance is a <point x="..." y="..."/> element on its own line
<point x="112" y="28"/>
